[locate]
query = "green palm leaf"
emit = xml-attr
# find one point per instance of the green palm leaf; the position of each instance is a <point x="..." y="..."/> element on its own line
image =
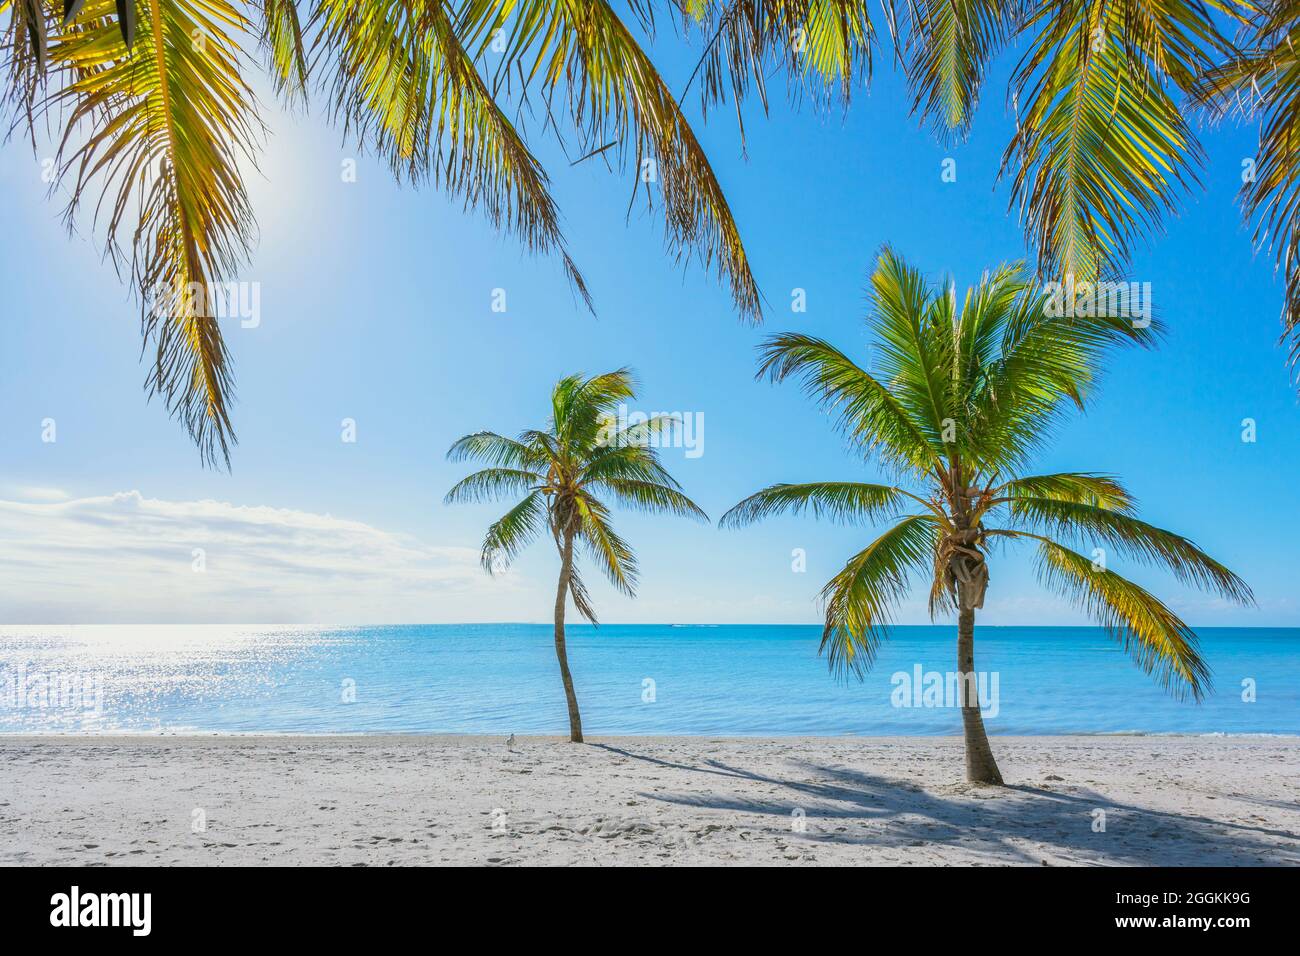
<point x="844" y="502"/>
<point x="860" y="599"/>
<point x="1154" y="636"/>
<point x="1101" y="149"/>
<point x="282" y="38"/>
<point x="167" y="129"/>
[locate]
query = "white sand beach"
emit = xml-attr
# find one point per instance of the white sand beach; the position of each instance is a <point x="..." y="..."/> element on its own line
<point x="393" y="800"/>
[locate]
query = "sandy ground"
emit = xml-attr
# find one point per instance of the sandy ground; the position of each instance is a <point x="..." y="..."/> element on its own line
<point x="386" y="801"/>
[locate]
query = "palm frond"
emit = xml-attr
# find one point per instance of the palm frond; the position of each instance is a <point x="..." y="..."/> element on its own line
<point x="868" y="411"/>
<point x="282" y="39"/>
<point x="406" y="86"/>
<point x="1159" y="642"/>
<point x="1085" y="488"/>
<point x="861" y="597"/>
<point x="610" y="552"/>
<point x="581" y="598"/>
<point x="1264" y="81"/>
<point x="166" y="129"/>
<point x="950" y="44"/>
<point x="493" y="483"/>
<point x="627" y="462"/>
<point x="1133" y="537"/>
<point x="844" y="502"/>
<point x="824" y="47"/>
<point x="650" y="496"/>
<point x="496" y="450"/>
<point x="581" y="50"/>
<point x="513" y="532"/>
<point x="1102" y="150"/>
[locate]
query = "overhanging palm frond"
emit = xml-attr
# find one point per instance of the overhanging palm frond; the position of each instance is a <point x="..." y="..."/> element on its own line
<point x="1153" y="635"/>
<point x="406" y="86"/>
<point x="825" y="47"/>
<point x="845" y="502"/>
<point x="166" y="129"/>
<point x="1101" y="149"/>
<point x="583" y="51"/>
<point x="950" y="44"/>
<point x="283" y="40"/>
<point x="860" y="599"/>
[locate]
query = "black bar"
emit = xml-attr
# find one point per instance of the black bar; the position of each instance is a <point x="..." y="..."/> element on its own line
<point x="301" y="906"/>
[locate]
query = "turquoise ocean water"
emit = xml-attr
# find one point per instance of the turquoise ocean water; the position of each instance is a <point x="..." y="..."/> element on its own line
<point x="631" y="679"/>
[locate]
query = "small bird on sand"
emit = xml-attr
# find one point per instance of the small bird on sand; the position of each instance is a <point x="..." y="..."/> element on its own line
<point x="510" y="742"/>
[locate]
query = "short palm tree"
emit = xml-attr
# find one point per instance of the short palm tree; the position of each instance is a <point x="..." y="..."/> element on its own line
<point x="566" y="474"/>
<point x="956" y="402"/>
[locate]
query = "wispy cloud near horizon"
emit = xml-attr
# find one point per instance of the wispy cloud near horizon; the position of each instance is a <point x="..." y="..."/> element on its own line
<point x="126" y="558"/>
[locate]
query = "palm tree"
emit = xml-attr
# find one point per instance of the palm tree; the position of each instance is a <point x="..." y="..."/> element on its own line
<point x="563" y="473"/>
<point x="957" y="401"/>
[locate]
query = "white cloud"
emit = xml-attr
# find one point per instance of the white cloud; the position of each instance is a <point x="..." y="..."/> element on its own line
<point x="125" y="558"/>
<point x="36" y="493"/>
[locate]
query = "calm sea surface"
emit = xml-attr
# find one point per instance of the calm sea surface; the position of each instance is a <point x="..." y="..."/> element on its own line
<point x="631" y="679"/>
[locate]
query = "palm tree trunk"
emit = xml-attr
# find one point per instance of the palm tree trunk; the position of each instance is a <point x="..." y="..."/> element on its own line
<point x="566" y="569"/>
<point x="980" y="765"/>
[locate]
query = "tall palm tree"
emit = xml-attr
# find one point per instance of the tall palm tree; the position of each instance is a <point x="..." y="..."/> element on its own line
<point x="956" y="403"/>
<point x="565" y="473"/>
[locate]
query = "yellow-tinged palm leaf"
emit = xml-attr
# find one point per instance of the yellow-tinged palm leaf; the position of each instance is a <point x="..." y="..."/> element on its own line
<point x="282" y="37"/>
<point x="860" y="599"/>
<point x="1153" y="635"/>
<point x="582" y="51"/>
<point x="1101" y="149"/>
<point x="405" y="84"/>
<point x="1129" y="536"/>
<point x="1100" y="491"/>
<point x="950" y="44"/>
<point x="164" y="129"/>
<point x="825" y="46"/>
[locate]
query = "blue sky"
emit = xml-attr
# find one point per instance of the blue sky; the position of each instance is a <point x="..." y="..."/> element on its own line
<point x="375" y="306"/>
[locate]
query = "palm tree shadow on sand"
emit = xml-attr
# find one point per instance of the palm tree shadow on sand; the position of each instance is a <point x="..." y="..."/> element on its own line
<point x="997" y="824"/>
